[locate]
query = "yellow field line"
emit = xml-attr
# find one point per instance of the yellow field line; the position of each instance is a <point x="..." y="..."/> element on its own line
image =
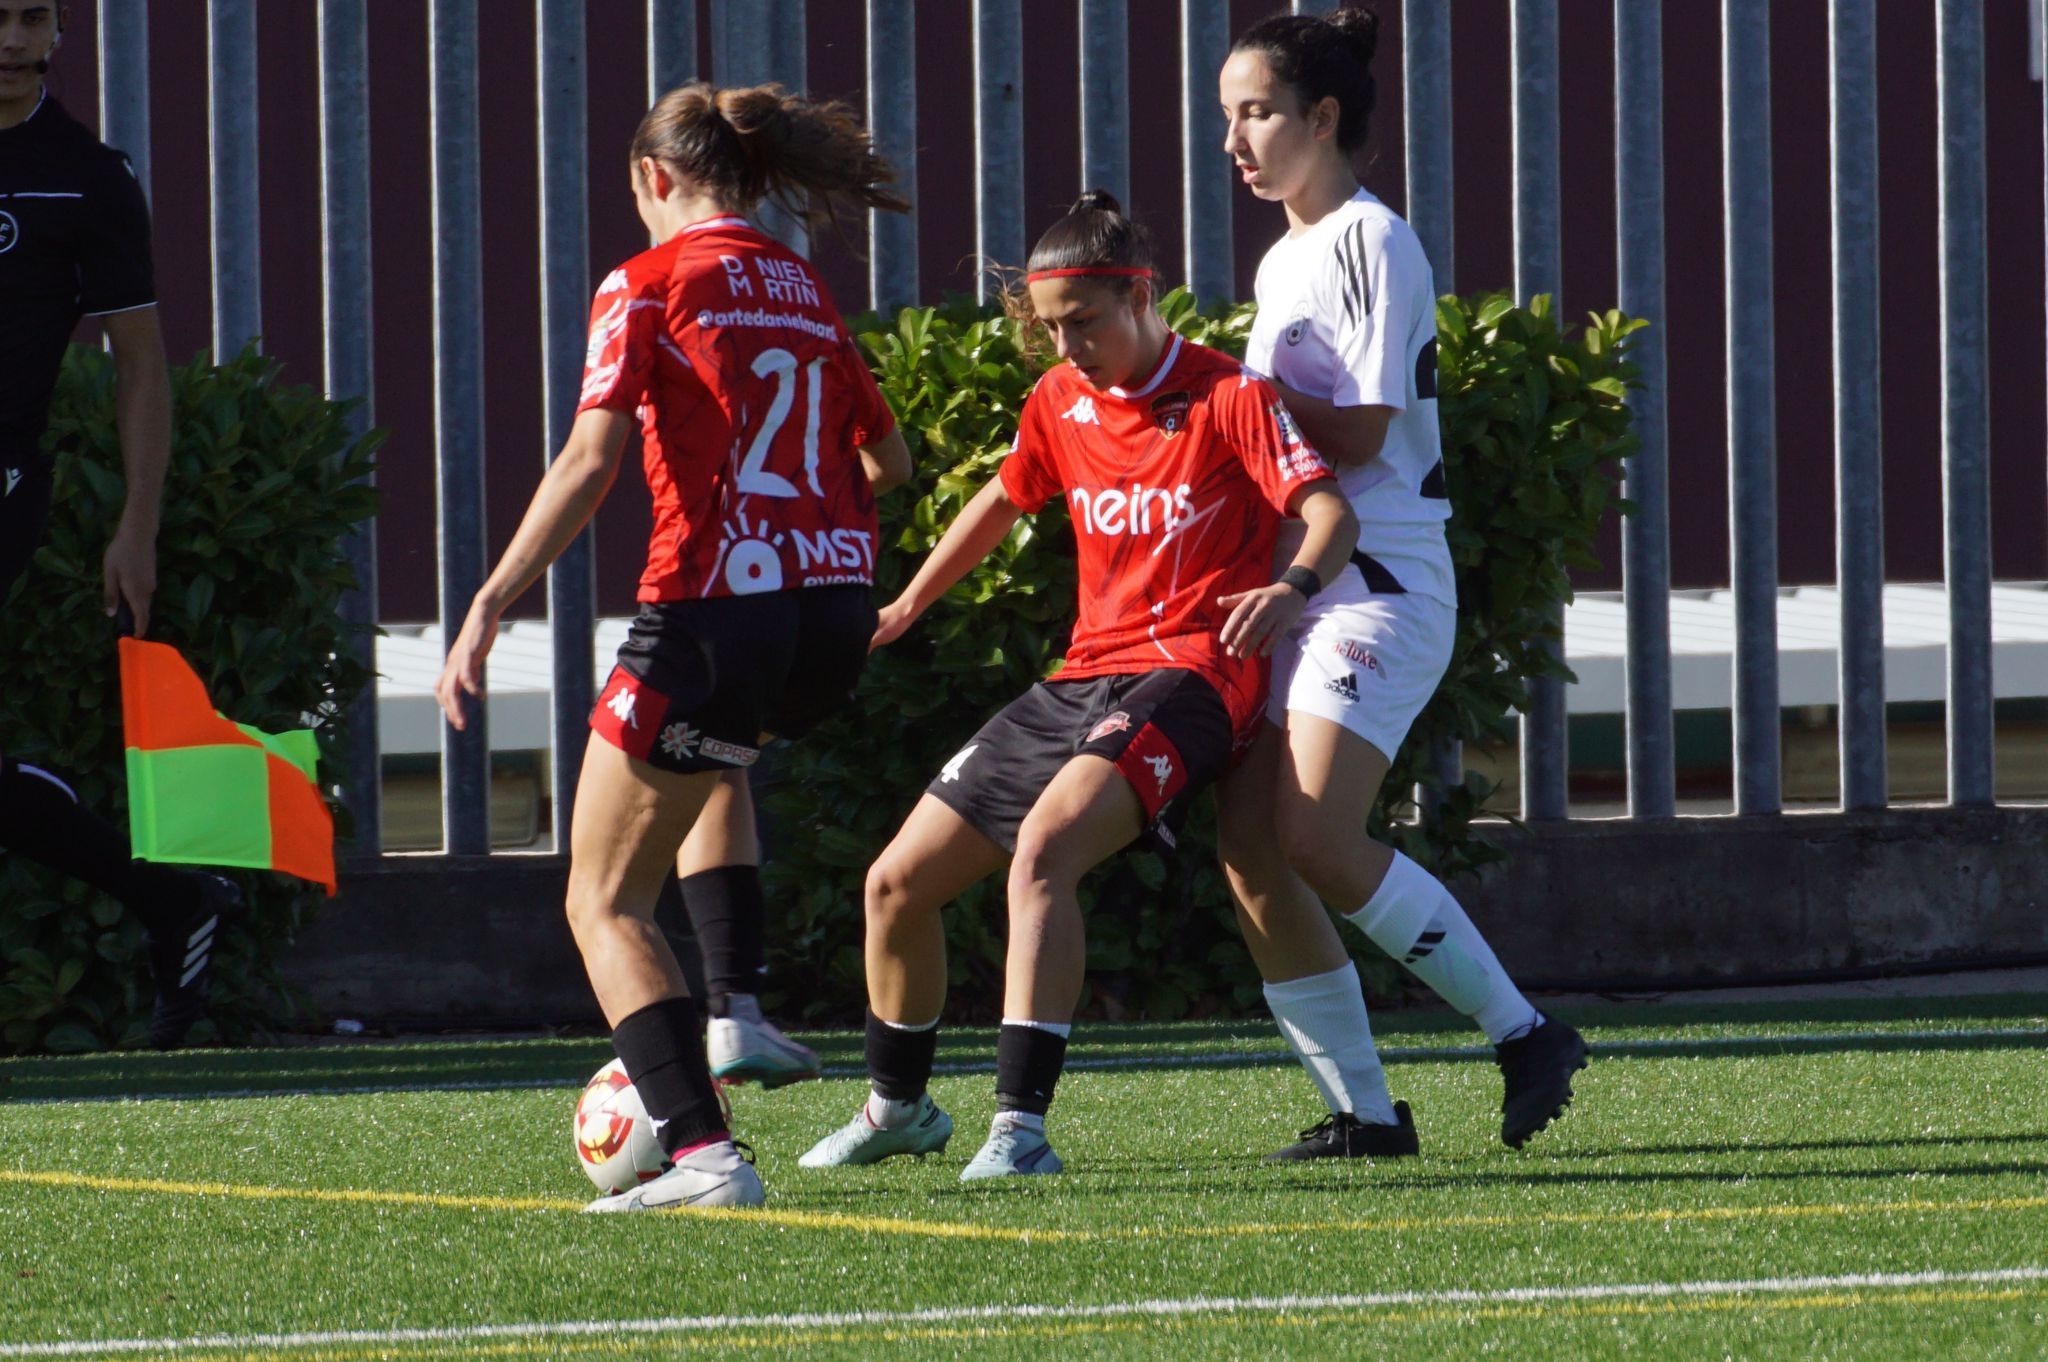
<point x="809" y="1220"/>
<point x="950" y="1229"/>
<point x="784" y="1340"/>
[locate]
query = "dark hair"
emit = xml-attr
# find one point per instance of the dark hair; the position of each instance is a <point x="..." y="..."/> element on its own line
<point x="746" y="145"/>
<point x="1094" y="234"/>
<point x="1318" y="57"/>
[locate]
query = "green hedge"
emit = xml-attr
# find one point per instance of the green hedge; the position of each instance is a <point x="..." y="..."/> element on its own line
<point x="1533" y="426"/>
<point x="265" y="483"/>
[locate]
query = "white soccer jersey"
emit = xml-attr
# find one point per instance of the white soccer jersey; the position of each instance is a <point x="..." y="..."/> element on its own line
<point x="1347" y="311"/>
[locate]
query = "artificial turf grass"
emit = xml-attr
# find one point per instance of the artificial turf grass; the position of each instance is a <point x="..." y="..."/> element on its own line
<point x="1737" y="1149"/>
<point x="1436" y="1034"/>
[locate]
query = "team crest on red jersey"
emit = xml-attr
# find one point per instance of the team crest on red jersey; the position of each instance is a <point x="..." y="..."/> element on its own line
<point x="1170" y="412"/>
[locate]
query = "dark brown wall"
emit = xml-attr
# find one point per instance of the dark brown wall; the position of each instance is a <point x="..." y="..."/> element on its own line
<point x="402" y="239"/>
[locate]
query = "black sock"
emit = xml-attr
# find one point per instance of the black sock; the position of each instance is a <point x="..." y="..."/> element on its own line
<point x="900" y="1061"/>
<point x="662" y="1047"/>
<point x="1028" y="1064"/>
<point x="726" y="910"/>
<point x="41" y="818"/>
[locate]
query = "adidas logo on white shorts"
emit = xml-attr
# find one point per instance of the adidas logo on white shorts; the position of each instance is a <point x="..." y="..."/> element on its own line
<point x="1345" y="687"/>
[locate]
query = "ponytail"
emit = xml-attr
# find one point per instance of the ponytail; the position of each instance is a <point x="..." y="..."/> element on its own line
<point x="762" y="142"/>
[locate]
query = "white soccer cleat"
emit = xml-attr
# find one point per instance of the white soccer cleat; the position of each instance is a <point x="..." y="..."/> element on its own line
<point x="716" y="1175"/>
<point x="861" y="1141"/>
<point x="744" y="1051"/>
<point x="1011" y="1151"/>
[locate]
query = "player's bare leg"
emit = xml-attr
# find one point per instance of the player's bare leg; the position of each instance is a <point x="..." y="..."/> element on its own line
<point x="934" y="857"/>
<point x="1327" y="775"/>
<point x="1311" y="986"/>
<point x="1087" y="814"/>
<point x="630" y="817"/>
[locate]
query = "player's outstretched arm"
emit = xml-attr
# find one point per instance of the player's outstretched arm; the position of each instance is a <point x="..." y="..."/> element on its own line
<point x="886" y="462"/>
<point x="567" y="497"/>
<point x="142" y="404"/>
<point x="966" y="542"/>
<point x="1260" y="619"/>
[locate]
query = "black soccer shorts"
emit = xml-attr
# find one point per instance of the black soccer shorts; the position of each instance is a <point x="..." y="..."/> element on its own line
<point x="1168" y="733"/>
<point x="698" y="682"/>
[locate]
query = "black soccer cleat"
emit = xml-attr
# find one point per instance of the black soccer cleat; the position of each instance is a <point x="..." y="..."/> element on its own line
<point x="1343" y="1136"/>
<point x="181" y="952"/>
<point x="1536" y="1070"/>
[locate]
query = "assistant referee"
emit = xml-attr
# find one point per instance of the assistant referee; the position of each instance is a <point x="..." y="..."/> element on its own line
<point x="74" y="242"/>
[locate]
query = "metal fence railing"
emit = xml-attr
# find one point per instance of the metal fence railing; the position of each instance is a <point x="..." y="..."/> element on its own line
<point x="766" y="40"/>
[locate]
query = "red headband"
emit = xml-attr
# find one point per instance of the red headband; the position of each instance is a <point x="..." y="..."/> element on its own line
<point x="1098" y="271"/>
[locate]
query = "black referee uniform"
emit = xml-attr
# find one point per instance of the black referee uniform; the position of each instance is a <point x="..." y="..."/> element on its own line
<point x="74" y="242"/>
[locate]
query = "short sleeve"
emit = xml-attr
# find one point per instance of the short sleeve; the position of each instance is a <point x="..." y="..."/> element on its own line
<point x="114" y="271"/>
<point x="872" y="419"/>
<point x="1031" y="475"/>
<point x="1378" y="276"/>
<point x="1262" y="432"/>
<point x="625" y="327"/>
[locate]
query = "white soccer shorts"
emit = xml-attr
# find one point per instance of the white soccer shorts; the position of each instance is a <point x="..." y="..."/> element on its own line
<point x="1365" y="661"/>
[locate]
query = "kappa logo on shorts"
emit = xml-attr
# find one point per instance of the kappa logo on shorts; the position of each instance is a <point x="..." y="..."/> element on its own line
<point x="1115" y="723"/>
<point x="1344" y="688"/>
<point x="679" y="740"/>
<point x="952" y="768"/>
<point x="1162" y="771"/>
<point x="622" y="704"/>
<point x="616" y="717"/>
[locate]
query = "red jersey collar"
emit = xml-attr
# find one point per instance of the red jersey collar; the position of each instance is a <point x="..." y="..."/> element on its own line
<point x="1166" y="361"/>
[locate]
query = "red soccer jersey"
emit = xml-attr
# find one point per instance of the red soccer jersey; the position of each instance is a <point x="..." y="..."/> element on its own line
<point x="752" y="398"/>
<point x="1177" y="489"/>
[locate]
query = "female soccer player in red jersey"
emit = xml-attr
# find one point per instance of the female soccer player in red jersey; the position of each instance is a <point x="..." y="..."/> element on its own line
<point x="1176" y="467"/>
<point x="1346" y="330"/>
<point x="764" y="439"/>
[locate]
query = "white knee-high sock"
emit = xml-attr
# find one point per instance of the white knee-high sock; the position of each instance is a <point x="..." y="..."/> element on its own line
<point x="1413" y="918"/>
<point x="1323" y="1018"/>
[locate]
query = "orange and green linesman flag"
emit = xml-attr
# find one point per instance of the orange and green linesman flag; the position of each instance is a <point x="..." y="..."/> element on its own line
<point x="204" y="790"/>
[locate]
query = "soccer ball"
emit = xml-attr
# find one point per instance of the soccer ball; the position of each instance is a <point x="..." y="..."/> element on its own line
<point x="614" y="1140"/>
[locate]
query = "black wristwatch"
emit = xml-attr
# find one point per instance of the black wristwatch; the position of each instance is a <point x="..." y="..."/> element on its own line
<point x="1303" y="580"/>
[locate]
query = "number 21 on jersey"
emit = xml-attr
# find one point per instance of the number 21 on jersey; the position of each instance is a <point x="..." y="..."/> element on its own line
<point x="754" y="478"/>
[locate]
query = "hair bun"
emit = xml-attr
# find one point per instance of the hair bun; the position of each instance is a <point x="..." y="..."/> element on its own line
<point x="1359" y="28"/>
<point x="1097" y="201"/>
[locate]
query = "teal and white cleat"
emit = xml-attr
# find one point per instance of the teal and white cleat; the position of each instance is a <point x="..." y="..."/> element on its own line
<point x="861" y="1141"/>
<point x="717" y="1175"/>
<point x="743" y="1051"/>
<point x="1011" y="1151"/>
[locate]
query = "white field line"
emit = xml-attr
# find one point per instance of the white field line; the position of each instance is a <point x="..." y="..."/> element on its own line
<point x="1162" y="1308"/>
<point x="1215" y="1059"/>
